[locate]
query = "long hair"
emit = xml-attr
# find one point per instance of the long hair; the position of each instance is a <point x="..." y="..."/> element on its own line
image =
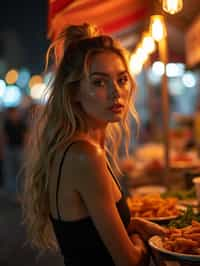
<point x="61" y="118"/>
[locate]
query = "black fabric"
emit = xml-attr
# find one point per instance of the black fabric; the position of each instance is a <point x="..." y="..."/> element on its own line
<point x="79" y="241"/>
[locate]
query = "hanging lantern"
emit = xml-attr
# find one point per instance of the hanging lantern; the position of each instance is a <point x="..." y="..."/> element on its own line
<point x="157" y="27"/>
<point x="172" y="6"/>
<point x="148" y="43"/>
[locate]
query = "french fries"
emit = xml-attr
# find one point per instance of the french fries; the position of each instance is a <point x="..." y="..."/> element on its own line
<point x="183" y="240"/>
<point x="152" y="206"/>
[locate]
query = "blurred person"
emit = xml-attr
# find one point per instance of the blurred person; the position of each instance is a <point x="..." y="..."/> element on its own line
<point x="72" y="198"/>
<point x="14" y="135"/>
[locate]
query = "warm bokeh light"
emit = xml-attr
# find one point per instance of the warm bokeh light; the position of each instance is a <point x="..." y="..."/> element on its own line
<point x="148" y="43"/>
<point x="39" y="92"/>
<point x="141" y="55"/>
<point x="172" y="6"/>
<point x="157" y="27"/>
<point x="35" y="79"/>
<point x="135" y="65"/>
<point x="11" y="76"/>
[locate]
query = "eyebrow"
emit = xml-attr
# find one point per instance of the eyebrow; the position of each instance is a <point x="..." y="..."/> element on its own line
<point x="107" y="75"/>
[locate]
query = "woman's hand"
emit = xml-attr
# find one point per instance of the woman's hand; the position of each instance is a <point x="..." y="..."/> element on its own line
<point x="140" y="246"/>
<point x="145" y="228"/>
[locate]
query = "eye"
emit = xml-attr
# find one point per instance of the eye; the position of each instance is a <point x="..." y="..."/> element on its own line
<point x="99" y="83"/>
<point x="123" y="80"/>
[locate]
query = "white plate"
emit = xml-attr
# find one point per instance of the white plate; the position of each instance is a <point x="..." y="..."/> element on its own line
<point x="158" y="219"/>
<point x="146" y="190"/>
<point x="163" y="219"/>
<point x="186" y="202"/>
<point x="181" y="208"/>
<point x="155" y="243"/>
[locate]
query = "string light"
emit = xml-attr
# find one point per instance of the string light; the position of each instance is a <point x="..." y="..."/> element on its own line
<point x="157" y="27"/>
<point x="148" y="43"/>
<point x="172" y="6"/>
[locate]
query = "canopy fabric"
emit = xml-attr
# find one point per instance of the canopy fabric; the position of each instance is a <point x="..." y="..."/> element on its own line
<point x="116" y="17"/>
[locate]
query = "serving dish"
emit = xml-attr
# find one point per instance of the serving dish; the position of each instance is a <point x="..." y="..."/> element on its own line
<point x="156" y="245"/>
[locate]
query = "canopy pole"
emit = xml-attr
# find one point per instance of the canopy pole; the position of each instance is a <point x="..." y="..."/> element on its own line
<point x="163" y="53"/>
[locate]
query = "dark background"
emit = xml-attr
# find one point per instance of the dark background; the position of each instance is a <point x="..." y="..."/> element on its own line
<point x="23" y="33"/>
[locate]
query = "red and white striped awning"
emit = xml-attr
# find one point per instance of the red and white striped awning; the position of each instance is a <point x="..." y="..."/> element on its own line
<point x="117" y="17"/>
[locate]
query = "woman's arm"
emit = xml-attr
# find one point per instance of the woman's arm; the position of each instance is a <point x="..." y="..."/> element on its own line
<point x="137" y="241"/>
<point x="145" y="228"/>
<point x="94" y="183"/>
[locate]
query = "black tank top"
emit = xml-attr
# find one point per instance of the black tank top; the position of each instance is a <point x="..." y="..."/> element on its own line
<point x="79" y="240"/>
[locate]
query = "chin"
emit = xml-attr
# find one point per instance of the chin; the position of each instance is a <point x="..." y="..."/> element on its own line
<point x="116" y="118"/>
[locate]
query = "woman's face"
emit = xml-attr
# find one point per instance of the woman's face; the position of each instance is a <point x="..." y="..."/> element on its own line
<point x="104" y="94"/>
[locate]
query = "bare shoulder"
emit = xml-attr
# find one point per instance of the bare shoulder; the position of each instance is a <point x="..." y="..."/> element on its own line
<point x="86" y="154"/>
<point x="86" y="163"/>
<point x="87" y="147"/>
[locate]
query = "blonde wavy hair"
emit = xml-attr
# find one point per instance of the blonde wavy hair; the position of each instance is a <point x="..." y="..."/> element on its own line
<point x="61" y="118"/>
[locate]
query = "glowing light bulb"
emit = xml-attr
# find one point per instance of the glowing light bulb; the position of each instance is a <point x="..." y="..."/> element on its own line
<point x="172" y="6"/>
<point x="148" y="44"/>
<point x="157" y="27"/>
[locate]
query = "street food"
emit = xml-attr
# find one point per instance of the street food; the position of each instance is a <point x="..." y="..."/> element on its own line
<point x="153" y="206"/>
<point x="183" y="240"/>
<point x="190" y="214"/>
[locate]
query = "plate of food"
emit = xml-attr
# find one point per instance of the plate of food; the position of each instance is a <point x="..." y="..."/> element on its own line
<point x="165" y="219"/>
<point x="149" y="189"/>
<point x="189" y="202"/>
<point x="182" y="244"/>
<point x="185" y="196"/>
<point x="154" y="207"/>
<point x="178" y="211"/>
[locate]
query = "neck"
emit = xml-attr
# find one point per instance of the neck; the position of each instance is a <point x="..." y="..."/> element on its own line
<point x="98" y="136"/>
<point x="95" y="135"/>
<point x="96" y="131"/>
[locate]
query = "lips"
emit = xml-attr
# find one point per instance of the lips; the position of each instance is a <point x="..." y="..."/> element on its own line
<point x="117" y="107"/>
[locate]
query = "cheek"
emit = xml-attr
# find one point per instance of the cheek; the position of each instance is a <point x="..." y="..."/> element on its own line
<point x="101" y="95"/>
<point x="126" y="93"/>
<point x="98" y="95"/>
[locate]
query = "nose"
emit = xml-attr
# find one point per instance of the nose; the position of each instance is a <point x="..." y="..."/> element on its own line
<point x="115" y="90"/>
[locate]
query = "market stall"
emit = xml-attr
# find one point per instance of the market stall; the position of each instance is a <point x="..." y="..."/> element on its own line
<point x="173" y="203"/>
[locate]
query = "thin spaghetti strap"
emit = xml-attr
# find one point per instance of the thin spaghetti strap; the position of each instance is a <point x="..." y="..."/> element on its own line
<point x="114" y="177"/>
<point x="59" y="178"/>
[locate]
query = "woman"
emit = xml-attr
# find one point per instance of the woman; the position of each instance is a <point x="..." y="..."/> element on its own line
<point x="70" y="187"/>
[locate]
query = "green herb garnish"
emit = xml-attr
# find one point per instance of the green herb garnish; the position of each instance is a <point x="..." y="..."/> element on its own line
<point x="185" y="219"/>
<point x="180" y="194"/>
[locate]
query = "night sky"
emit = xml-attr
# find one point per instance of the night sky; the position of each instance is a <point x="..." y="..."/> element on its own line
<point x="27" y="20"/>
